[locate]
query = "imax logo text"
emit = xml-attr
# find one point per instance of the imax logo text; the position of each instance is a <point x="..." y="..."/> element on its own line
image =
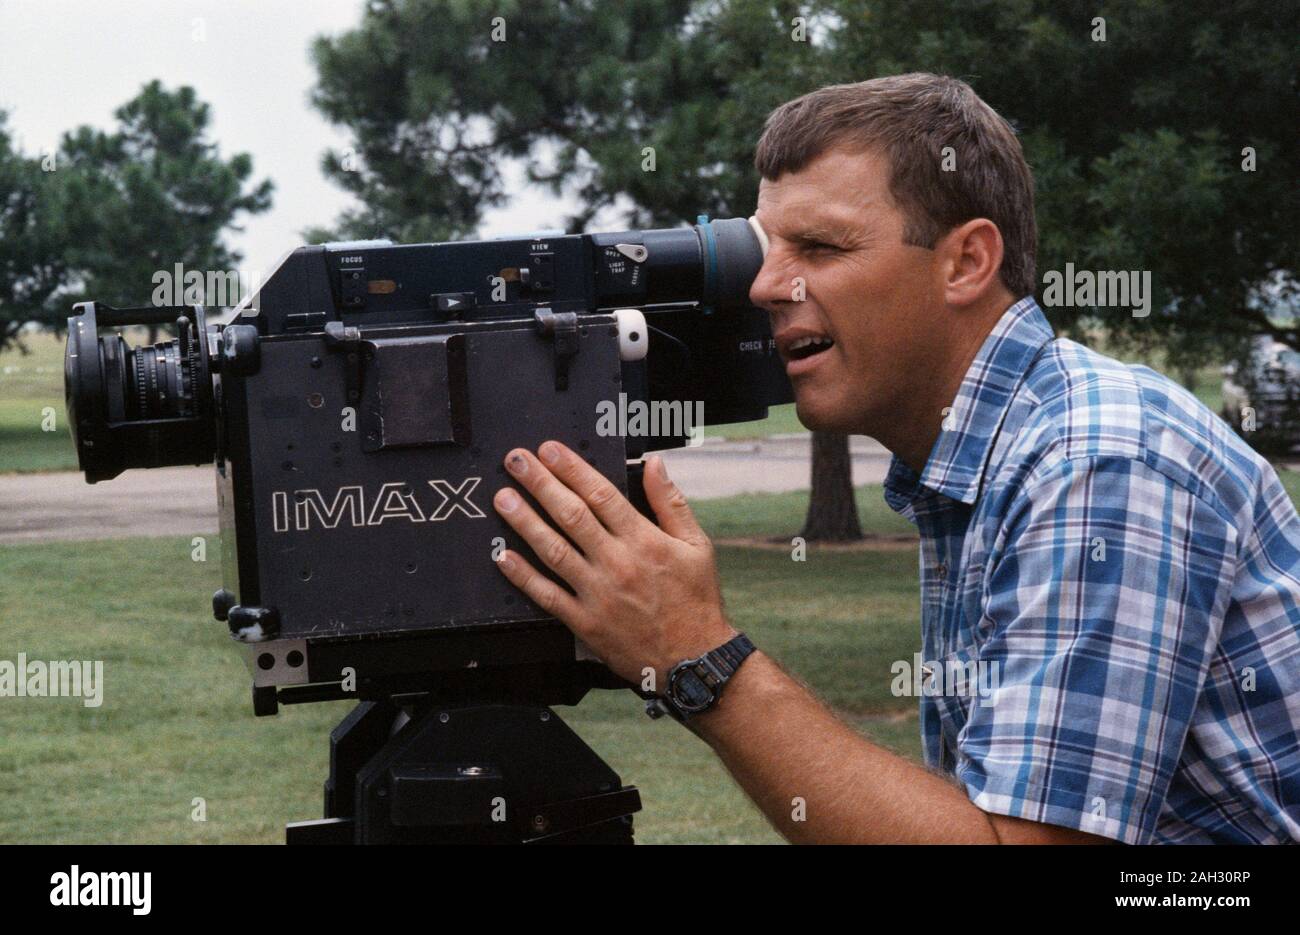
<point x="392" y="501"/>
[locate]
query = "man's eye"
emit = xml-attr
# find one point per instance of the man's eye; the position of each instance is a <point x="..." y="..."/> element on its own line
<point x="817" y="246"/>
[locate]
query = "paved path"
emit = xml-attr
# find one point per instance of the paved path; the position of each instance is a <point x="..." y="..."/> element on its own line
<point x="162" y="502"/>
<point x="183" y="501"/>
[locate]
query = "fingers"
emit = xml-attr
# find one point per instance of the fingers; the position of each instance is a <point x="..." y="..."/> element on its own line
<point x="673" y="511"/>
<point x="551" y="547"/>
<point x="542" y="591"/>
<point x="604" y="499"/>
<point x="564" y="506"/>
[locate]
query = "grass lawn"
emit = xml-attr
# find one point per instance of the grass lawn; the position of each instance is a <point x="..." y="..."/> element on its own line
<point x="176" y="721"/>
<point x="781" y="420"/>
<point x="31" y="384"/>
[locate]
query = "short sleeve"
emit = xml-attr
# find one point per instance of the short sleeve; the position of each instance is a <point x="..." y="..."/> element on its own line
<point x="1101" y="612"/>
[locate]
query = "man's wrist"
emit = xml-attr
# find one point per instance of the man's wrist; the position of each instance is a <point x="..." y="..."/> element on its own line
<point x="703" y="642"/>
<point x="696" y="684"/>
<point x="746" y="688"/>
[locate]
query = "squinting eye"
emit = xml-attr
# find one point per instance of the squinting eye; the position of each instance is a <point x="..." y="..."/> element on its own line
<point x="817" y="246"/>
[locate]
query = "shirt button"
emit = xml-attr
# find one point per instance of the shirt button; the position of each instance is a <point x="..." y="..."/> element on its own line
<point x="942" y="571"/>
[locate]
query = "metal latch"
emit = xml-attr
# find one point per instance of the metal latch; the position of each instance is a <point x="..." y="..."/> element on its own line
<point x="562" y="329"/>
<point x="339" y="337"/>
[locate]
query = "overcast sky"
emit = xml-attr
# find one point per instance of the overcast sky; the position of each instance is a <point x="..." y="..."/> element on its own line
<point x="64" y="63"/>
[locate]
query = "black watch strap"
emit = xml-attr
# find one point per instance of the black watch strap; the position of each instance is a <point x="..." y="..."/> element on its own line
<point x="731" y="654"/>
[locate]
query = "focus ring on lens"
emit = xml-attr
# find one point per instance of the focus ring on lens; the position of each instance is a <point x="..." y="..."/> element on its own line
<point x="141" y="394"/>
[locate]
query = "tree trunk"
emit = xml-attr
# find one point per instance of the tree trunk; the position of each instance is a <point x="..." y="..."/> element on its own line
<point x="832" y="511"/>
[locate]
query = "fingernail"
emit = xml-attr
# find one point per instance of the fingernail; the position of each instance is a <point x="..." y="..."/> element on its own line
<point x="550" y="452"/>
<point x="506" y="562"/>
<point x="661" y="467"/>
<point x="517" y="464"/>
<point x="507" y="500"/>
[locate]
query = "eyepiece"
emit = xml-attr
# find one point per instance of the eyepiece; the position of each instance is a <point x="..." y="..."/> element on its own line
<point x="736" y="258"/>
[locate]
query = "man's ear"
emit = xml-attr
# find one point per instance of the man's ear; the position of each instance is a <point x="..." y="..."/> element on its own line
<point x="970" y="257"/>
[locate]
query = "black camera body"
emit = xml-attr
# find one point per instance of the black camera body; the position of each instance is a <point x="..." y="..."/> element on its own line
<point x="359" y="407"/>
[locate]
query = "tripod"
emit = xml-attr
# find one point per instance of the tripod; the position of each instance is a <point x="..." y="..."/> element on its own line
<point x="433" y="773"/>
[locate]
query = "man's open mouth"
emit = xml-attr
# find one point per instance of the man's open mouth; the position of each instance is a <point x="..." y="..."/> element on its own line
<point x="806" y="347"/>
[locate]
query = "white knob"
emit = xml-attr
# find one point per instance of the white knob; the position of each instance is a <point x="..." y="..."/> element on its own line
<point x="633" y="336"/>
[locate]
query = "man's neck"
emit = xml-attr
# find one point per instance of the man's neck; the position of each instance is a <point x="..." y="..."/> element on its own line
<point x="923" y="416"/>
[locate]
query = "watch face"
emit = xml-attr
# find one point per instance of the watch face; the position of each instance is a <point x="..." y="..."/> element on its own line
<point x="689" y="691"/>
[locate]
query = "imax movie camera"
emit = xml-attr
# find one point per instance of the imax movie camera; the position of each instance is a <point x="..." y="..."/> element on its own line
<point x="358" y="408"/>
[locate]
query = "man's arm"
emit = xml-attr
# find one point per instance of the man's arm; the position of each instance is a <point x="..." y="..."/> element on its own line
<point x="796" y="760"/>
<point x="645" y="597"/>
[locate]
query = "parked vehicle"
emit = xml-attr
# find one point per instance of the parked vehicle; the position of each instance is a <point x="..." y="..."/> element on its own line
<point x="1262" y="399"/>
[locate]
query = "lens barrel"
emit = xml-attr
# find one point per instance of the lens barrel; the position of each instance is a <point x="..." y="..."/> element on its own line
<point x="712" y="263"/>
<point x="148" y="406"/>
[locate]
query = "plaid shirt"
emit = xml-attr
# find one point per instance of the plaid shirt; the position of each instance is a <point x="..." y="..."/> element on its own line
<point x="1110" y="584"/>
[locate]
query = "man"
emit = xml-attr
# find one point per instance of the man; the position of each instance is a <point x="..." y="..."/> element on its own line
<point x="1126" y="567"/>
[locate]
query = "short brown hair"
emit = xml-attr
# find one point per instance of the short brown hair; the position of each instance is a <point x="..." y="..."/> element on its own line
<point x="911" y="118"/>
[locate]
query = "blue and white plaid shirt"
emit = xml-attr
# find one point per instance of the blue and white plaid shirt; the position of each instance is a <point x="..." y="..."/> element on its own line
<point x="1119" y="576"/>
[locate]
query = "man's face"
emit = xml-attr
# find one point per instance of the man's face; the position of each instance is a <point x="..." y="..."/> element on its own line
<point x="834" y="226"/>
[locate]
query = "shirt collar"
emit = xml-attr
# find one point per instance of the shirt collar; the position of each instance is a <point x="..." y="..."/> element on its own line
<point x="956" y="464"/>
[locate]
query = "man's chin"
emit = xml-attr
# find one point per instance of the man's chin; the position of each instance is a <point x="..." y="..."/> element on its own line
<point x="820" y="417"/>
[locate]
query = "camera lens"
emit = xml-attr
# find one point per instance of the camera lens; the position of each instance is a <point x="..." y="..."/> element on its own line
<point x="158" y="384"/>
<point x="147" y="406"/>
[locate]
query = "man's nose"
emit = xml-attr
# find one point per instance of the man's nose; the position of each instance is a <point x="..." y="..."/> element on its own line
<point x="771" y="286"/>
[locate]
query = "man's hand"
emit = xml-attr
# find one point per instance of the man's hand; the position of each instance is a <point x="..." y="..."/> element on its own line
<point x="643" y="595"/>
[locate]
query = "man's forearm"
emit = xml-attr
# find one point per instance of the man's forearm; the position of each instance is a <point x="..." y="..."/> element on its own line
<point x="816" y="779"/>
